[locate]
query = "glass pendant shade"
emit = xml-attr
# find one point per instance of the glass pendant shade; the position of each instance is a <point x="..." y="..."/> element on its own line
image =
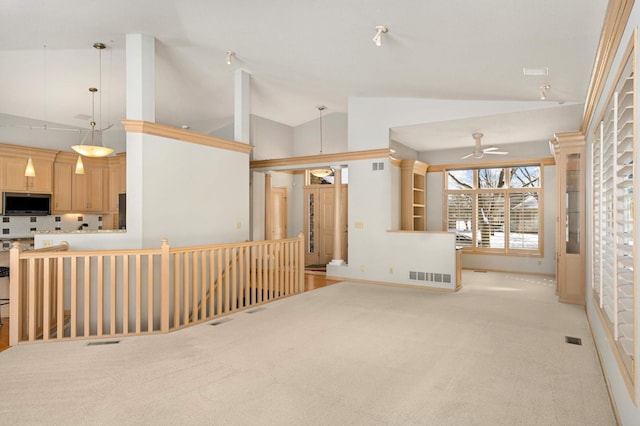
<point x="321" y="172"/>
<point x="79" y="166"/>
<point x="29" y="171"/>
<point x="92" y="150"/>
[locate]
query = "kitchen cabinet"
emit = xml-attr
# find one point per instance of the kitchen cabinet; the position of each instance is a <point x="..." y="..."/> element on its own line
<point x="88" y="190"/>
<point x="62" y="183"/>
<point x="117" y="181"/>
<point x="14" y="180"/>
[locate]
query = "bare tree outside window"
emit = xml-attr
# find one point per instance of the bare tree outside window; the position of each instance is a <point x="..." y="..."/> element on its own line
<point x="496" y="208"/>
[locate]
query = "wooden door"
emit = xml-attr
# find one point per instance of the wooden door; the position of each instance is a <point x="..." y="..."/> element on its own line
<point x="278" y="213"/>
<point x="319" y="224"/>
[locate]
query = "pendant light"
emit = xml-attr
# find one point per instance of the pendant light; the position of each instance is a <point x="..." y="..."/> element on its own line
<point x="79" y="165"/>
<point x="29" y="171"/>
<point x="93" y="149"/>
<point x="321" y="173"/>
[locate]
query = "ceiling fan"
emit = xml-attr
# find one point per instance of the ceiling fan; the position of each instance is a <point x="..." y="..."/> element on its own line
<point x="478" y="151"/>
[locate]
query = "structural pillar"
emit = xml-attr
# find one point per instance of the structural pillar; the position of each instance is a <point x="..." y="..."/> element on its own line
<point x="268" y="225"/>
<point x="141" y="80"/>
<point x="242" y="107"/>
<point x="337" y="218"/>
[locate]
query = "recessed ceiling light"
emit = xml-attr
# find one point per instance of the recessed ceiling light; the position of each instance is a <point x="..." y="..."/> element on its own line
<point x="535" y="71"/>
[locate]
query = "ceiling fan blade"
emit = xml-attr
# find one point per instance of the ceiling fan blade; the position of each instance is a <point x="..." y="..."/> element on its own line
<point x="466" y="156"/>
<point x="491" y="148"/>
<point x="496" y="152"/>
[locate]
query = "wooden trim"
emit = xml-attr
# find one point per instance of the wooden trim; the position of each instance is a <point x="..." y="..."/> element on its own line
<point x="547" y="161"/>
<point x="506" y="271"/>
<point x="627" y="56"/>
<point x="25" y="151"/>
<point x="628" y="380"/>
<point x="612" y="400"/>
<point x="616" y="18"/>
<point x="138" y="126"/>
<point x="321" y="159"/>
<point x="390" y="284"/>
<point x="395" y="161"/>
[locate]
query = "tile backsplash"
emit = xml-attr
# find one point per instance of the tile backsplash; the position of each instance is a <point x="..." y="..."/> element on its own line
<point x="23" y="226"/>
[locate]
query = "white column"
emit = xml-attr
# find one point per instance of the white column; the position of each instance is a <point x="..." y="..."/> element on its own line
<point x="242" y="107"/>
<point x="337" y="218"/>
<point x="268" y="225"/>
<point x="141" y="80"/>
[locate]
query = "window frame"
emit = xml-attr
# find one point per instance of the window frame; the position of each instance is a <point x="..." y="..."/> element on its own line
<point x="506" y="192"/>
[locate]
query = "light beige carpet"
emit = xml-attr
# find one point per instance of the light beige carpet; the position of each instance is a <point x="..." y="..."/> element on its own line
<point x="358" y="354"/>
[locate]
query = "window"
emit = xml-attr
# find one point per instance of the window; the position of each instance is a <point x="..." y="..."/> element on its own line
<point x="496" y="209"/>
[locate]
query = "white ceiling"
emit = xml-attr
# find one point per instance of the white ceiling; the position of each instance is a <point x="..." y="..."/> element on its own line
<point x="302" y="54"/>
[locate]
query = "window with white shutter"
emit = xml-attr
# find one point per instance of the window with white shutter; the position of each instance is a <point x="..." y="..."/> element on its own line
<point x="496" y="209"/>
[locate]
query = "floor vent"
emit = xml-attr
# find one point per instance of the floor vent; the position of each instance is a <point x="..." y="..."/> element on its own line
<point x="253" y="311"/>
<point x="573" y="340"/>
<point x="108" y="342"/>
<point x="220" y="321"/>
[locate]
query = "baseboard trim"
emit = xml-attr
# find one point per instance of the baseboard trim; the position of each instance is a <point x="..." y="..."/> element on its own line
<point x="389" y="284"/>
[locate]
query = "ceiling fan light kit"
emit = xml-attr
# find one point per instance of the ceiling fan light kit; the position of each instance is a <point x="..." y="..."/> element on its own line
<point x="479" y="152"/>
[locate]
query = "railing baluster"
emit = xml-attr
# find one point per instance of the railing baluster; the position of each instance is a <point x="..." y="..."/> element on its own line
<point x="176" y="290"/>
<point x="203" y="285"/>
<point x="125" y="294"/>
<point x="74" y="297"/>
<point x="87" y="296"/>
<point x="100" y="297"/>
<point x="138" y="284"/>
<point x="46" y="300"/>
<point x="60" y="289"/>
<point x="186" y="288"/>
<point x="113" y="282"/>
<point x="212" y="283"/>
<point x="150" y="293"/>
<point x="219" y="283"/>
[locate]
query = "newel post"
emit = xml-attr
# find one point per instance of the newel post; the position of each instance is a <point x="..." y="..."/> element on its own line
<point x="164" y="286"/>
<point x="301" y="251"/>
<point x="14" y="294"/>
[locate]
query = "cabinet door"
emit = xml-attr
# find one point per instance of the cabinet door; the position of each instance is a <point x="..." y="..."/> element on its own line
<point x="13" y="178"/>
<point x="115" y="172"/>
<point x="42" y="180"/>
<point x="96" y="189"/>
<point x="62" y="178"/>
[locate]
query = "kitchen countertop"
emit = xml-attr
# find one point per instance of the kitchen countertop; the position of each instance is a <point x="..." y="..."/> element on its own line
<point x="88" y="231"/>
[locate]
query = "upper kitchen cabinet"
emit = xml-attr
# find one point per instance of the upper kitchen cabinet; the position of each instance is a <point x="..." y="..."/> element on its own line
<point x="89" y="190"/>
<point x="12" y="167"/>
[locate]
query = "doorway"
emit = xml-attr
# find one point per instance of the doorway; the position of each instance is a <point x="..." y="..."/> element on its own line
<point x="279" y="213"/>
<point x="319" y="223"/>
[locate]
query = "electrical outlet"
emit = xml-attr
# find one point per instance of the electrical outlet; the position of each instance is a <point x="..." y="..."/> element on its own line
<point x="361" y="268"/>
<point x="47" y="243"/>
<point x="391" y="270"/>
<point x="359" y="225"/>
<point x="238" y="225"/>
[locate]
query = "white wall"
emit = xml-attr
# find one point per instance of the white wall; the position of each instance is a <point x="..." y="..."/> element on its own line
<point x="520" y="151"/>
<point x="334" y="135"/>
<point x="270" y="139"/>
<point x="191" y="194"/>
<point x="628" y="411"/>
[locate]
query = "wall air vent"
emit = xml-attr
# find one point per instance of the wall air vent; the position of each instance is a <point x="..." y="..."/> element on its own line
<point x="435" y="277"/>
<point x="377" y="166"/>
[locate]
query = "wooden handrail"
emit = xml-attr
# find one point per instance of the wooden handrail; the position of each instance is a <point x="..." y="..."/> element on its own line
<point x="57" y="294"/>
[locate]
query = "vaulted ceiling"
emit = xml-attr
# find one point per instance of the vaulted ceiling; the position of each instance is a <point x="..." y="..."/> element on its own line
<point x="301" y="54"/>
